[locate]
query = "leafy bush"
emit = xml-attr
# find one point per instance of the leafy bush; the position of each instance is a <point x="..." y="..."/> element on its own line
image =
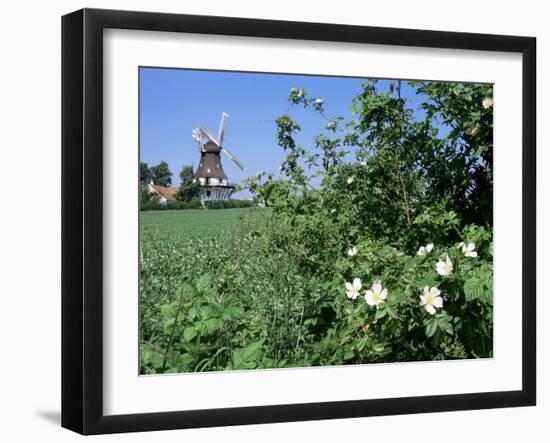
<point x="365" y="220"/>
<point x="227" y="204"/>
<point x="155" y="205"/>
<point x="189" y="189"/>
<point x="193" y="204"/>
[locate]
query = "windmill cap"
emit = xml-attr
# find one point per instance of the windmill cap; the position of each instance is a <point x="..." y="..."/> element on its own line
<point x="211" y="147"/>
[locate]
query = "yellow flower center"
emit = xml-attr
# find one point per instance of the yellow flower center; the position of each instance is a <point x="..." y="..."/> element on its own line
<point x="376" y="297"/>
<point x="429" y="300"/>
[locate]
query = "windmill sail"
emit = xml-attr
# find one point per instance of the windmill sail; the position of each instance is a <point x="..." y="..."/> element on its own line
<point x="233" y="158"/>
<point x="197" y="136"/>
<point x="223" y="123"/>
<point x="210" y="136"/>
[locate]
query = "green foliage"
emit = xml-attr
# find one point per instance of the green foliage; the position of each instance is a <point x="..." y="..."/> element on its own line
<point x="247" y="357"/>
<point x="188" y="189"/>
<point x="145" y="175"/>
<point x="148" y="200"/>
<point x="453" y="348"/>
<point x="153" y="204"/>
<point x="461" y="164"/>
<point x="270" y="288"/>
<point x="228" y="204"/>
<point x="161" y="174"/>
<point x="416" y="178"/>
<point x="192" y="319"/>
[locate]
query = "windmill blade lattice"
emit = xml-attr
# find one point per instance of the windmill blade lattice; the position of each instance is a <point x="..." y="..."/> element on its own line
<point x="210" y="136"/>
<point x="223" y="123"/>
<point x="233" y="158"/>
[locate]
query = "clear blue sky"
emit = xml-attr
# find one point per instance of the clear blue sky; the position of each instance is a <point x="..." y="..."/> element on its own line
<point x="175" y="101"/>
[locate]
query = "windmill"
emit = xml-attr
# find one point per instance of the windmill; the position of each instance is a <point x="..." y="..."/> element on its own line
<point x="210" y="174"/>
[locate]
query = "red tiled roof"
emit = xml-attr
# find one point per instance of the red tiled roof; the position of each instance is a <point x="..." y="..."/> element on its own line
<point x="167" y="193"/>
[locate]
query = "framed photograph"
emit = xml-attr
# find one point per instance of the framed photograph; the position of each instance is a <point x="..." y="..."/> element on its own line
<point x="269" y="221"/>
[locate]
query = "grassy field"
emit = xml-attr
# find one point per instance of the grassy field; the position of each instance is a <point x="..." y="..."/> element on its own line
<point x="196" y="223"/>
<point x="208" y="287"/>
<point x="181" y="245"/>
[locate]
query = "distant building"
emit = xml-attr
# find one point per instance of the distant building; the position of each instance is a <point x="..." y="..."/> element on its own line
<point x="165" y="194"/>
<point x="211" y="176"/>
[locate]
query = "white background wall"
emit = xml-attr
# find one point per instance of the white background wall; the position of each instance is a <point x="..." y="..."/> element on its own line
<point x="30" y="219"/>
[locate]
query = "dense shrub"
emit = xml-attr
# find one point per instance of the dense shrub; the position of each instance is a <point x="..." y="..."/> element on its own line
<point x="155" y="205"/>
<point x="193" y="204"/>
<point x="227" y="204"/>
<point x="395" y="201"/>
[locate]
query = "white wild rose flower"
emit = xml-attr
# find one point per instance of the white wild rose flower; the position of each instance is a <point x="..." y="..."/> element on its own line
<point x="425" y="250"/>
<point x="333" y="124"/>
<point x="298" y="91"/>
<point x="487" y="103"/>
<point x="376" y="295"/>
<point x="444" y="267"/>
<point x="349" y="181"/>
<point x="468" y="249"/>
<point x="352" y="289"/>
<point x="352" y="252"/>
<point x="431" y="300"/>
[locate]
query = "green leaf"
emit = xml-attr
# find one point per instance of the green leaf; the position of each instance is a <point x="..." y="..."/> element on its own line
<point x="473" y="289"/>
<point x="380" y="313"/>
<point x="348" y="355"/>
<point x="150" y="355"/>
<point x="480" y="285"/>
<point x="232" y="312"/>
<point x="185" y="289"/>
<point x="193" y="314"/>
<point x="443" y="323"/>
<point x="390" y="309"/>
<point x="168" y="324"/>
<point x="245" y="358"/>
<point x="431" y="327"/>
<point x="168" y="310"/>
<point x="232" y="309"/>
<point x="212" y="324"/>
<point x="204" y="284"/>
<point x="189" y="333"/>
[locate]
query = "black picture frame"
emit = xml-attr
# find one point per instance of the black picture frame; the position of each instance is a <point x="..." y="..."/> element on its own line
<point x="82" y="218"/>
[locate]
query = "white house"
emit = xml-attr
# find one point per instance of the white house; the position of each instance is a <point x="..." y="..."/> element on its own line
<point x="164" y="193"/>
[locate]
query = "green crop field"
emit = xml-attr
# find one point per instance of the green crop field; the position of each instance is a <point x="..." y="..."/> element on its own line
<point x="191" y="256"/>
<point x="195" y="223"/>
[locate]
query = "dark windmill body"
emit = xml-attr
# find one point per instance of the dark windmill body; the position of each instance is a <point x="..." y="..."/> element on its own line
<point x="213" y="181"/>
